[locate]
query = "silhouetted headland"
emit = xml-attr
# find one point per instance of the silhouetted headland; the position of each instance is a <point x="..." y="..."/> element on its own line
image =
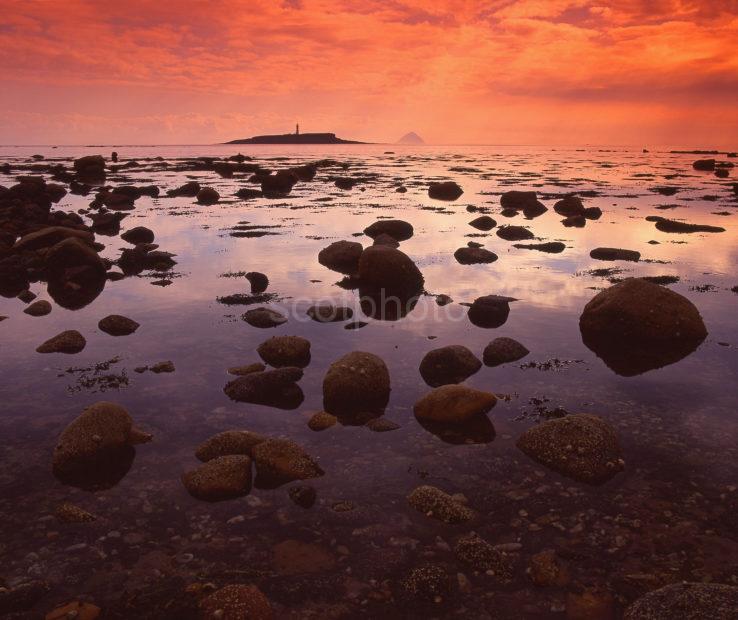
<point x="296" y="138"/>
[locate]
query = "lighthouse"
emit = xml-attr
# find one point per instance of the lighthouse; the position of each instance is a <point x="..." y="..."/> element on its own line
<point x="297" y="129"/>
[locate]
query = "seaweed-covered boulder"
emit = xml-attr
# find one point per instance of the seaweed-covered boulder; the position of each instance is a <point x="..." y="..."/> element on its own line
<point x="580" y="446"/>
<point x="636" y="326"/>
<point x="445" y="190"/>
<point x="502" y="351"/>
<point x="453" y="404"/>
<point x="397" y="229"/>
<point x="355" y="383"/>
<point x="435" y="503"/>
<point x="341" y="256"/>
<point x="95" y="450"/>
<point x="451" y="364"/>
<point x="221" y="478"/>
<point x="686" y="601"/>
<point x="281" y="351"/>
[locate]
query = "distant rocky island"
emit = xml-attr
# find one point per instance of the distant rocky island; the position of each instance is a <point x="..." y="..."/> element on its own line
<point x="411" y="138"/>
<point x="296" y="138"/>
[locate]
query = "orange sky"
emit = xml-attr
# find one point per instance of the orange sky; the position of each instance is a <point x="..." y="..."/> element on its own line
<point x="641" y="72"/>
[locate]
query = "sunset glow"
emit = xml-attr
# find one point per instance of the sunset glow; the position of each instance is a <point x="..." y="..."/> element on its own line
<point x="637" y="72"/>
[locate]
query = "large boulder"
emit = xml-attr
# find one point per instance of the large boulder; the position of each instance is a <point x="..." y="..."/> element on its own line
<point x="580" y="446"/>
<point x="341" y="256"/>
<point x="384" y="267"/>
<point x="490" y="310"/>
<point x="483" y="222"/>
<point x="446" y="190"/>
<point x="272" y="388"/>
<point x="514" y="233"/>
<point x="221" y="478"/>
<point x="687" y="601"/>
<point x="451" y="364"/>
<point x="527" y="202"/>
<point x="453" y="404"/>
<point x="95" y="450"/>
<point x="69" y="342"/>
<point x="358" y="382"/>
<point x="281" y="351"/>
<point x="279" y="461"/>
<point x="636" y="326"/>
<point x="90" y="168"/>
<point x="473" y="255"/>
<point x="138" y="234"/>
<point x="502" y="351"/>
<point x="207" y="196"/>
<point x="278" y="185"/>
<point x="75" y="273"/>
<point x="397" y="229"/>
<point x="570" y="205"/>
<point x="228" y="442"/>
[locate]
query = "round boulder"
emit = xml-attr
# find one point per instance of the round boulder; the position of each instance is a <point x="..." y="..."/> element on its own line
<point x="686" y="601"/>
<point x="397" y="229"/>
<point x="446" y="190"/>
<point x="453" y="404"/>
<point x="69" y="342"/>
<point x="207" y="196"/>
<point x="472" y="256"/>
<point x="117" y="325"/>
<point x="341" y="256"/>
<point x="384" y="267"/>
<point x="502" y="351"/>
<point x="264" y="318"/>
<point x="514" y="233"/>
<point x="451" y="364"/>
<point x="356" y="383"/>
<point x="281" y="351"/>
<point x="221" y="478"/>
<point x="235" y="602"/>
<point x="490" y="310"/>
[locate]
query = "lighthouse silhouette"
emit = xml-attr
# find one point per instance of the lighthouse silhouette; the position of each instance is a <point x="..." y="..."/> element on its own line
<point x="297" y="129"/>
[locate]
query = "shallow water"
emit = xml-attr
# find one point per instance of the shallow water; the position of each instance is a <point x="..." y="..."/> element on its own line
<point x="670" y="515"/>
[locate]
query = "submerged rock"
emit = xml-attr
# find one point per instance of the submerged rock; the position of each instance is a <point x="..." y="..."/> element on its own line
<point x="327" y="313"/>
<point x="246" y="369"/>
<point x="357" y="382"/>
<point x="636" y="326"/>
<point x="490" y="310"/>
<point x="451" y="364"/>
<point x="446" y="190"/>
<point x="279" y="461"/>
<point x="502" y="351"/>
<point x="117" y="325"/>
<point x="264" y="318"/>
<point x="686" y="601"/>
<point x="321" y="421"/>
<point x="227" y="443"/>
<point x="69" y="342"/>
<point x="672" y="226"/>
<point x="580" y="446"/>
<point x="453" y="404"/>
<point x="274" y="388"/>
<point x="615" y="254"/>
<point x="551" y="247"/>
<point x="482" y="556"/>
<point x="471" y="256"/>
<point x="397" y="229"/>
<point x="236" y="601"/>
<point x="514" y="233"/>
<point x="95" y="450"/>
<point x="221" y="478"/>
<point x="439" y="505"/>
<point x="341" y="256"/>
<point x="281" y="351"/>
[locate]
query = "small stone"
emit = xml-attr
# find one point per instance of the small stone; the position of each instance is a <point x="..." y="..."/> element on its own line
<point x="502" y="351"/>
<point x="439" y="505"/>
<point x="117" y="325"/>
<point x="160" y="367"/>
<point x="321" y="421"/>
<point x="303" y="495"/>
<point x="69" y="513"/>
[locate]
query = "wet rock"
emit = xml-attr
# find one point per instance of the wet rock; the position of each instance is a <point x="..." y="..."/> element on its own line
<point x="162" y="367"/>
<point x="593" y="213"/>
<point x="274" y="388"/>
<point x="527" y="202"/>
<point x="503" y="351"/>
<point x="484" y="222"/>
<point x="70" y="342"/>
<point x="69" y="513"/>
<point x="207" y="196"/>
<point x="722" y="173"/>
<point x="580" y="446"/>
<point x="453" y="404"/>
<point x="482" y="556"/>
<point x="278" y="185"/>
<point x="281" y="351"/>
<point x="551" y="247"/>
<point x="490" y="310"/>
<point x="387" y="268"/>
<point x="615" y="254"/>
<point x="221" y="478"/>
<point x="704" y="164"/>
<point x="547" y="569"/>
<point x="264" y="318"/>
<point x="357" y="382"/>
<point x="571" y="205"/>
<point x="279" y="461"/>
<point x="305" y="173"/>
<point x="327" y="313"/>
<point x="443" y="299"/>
<point x="381" y="425"/>
<point x="95" y="450"/>
<point x="321" y="421"/>
<point x="451" y="364"/>
<point x="50" y="236"/>
<point x="139" y="234"/>
<point x="672" y="226"/>
<point x="190" y="189"/>
<point x="246" y="369"/>
<point x="476" y="430"/>
<point x="228" y="443"/>
<point x="397" y="229"/>
<point x="686" y="601"/>
<point x="235" y="602"/>
<point x="636" y="326"/>
<point x="75" y="273"/>
<point x="117" y="325"/>
<point x="246" y="193"/>
<point x="27" y="296"/>
<point x="574" y="221"/>
<point x="90" y="169"/>
<point x="345" y="183"/>
<point x="446" y="190"/>
<point x="258" y="281"/>
<point x="439" y="505"/>
<point x="117" y="201"/>
<point x="303" y="495"/>
<point x="514" y="233"/>
<point x="471" y="256"/>
<point x="425" y="584"/>
<point x="341" y="256"/>
<point x="38" y="308"/>
<point x="384" y="239"/>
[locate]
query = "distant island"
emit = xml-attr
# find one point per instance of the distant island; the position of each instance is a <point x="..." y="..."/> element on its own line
<point x="296" y="138"/>
<point x="411" y="138"/>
